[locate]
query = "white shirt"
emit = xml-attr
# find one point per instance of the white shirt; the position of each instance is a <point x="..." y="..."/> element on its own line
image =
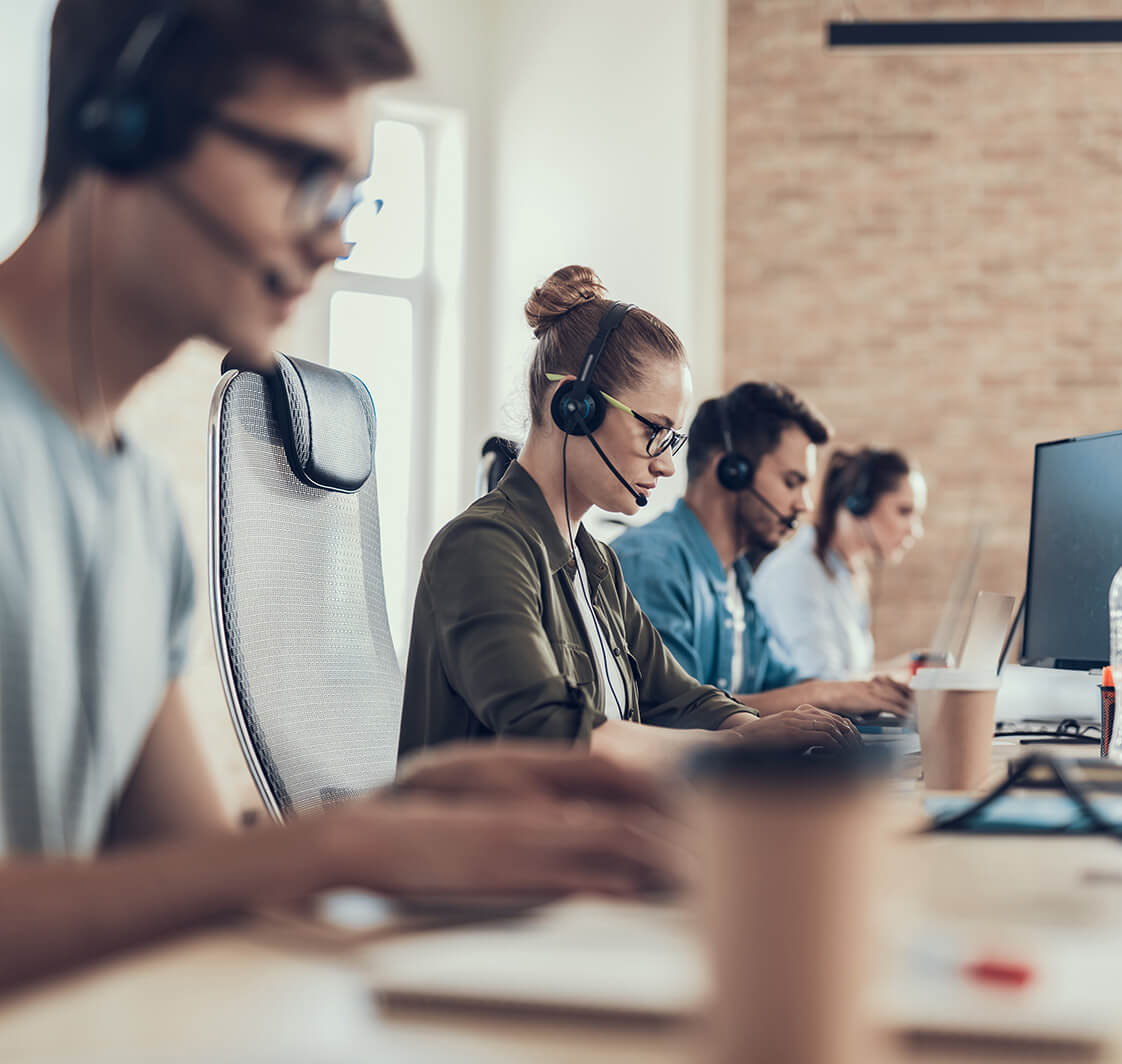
<point x="819" y="613"/>
<point x="734" y="598"/>
<point x="613" y="693"/>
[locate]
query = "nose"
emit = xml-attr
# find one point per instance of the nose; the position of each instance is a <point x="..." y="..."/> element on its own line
<point x="662" y="465"/>
<point x="917" y="530"/>
<point x="803" y="503"/>
<point x="327" y="245"/>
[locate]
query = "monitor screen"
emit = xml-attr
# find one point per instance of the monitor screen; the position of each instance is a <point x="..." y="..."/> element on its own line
<point x="1075" y="547"/>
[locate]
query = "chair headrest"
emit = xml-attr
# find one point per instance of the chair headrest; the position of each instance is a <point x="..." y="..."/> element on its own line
<point x="327" y="420"/>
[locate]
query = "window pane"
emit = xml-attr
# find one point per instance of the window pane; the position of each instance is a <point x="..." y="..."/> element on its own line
<point x="372" y="337"/>
<point x="391" y="243"/>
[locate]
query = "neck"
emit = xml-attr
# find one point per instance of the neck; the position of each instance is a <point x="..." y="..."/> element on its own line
<point x="541" y="458"/>
<point x="79" y="334"/>
<point x="849" y="542"/>
<point x="715" y="510"/>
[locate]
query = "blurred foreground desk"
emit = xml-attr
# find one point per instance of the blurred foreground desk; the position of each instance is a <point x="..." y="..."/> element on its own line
<point x="254" y="992"/>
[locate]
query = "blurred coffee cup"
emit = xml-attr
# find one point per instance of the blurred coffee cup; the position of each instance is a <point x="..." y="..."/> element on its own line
<point x="789" y="852"/>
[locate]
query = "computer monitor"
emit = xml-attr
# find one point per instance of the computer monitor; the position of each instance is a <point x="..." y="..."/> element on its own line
<point x="1075" y="547"/>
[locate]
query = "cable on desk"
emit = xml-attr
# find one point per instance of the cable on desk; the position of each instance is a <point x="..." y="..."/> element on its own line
<point x="1075" y="791"/>
<point x="1068" y="730"/>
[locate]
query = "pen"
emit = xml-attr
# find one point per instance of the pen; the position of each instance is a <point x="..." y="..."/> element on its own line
<point x="1107" y="690"/>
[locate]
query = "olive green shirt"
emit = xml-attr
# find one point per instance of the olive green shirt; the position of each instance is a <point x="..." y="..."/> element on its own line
<point x="498" y="647"/>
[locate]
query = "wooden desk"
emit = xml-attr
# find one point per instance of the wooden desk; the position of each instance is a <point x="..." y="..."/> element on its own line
<point x="245" y="993"/>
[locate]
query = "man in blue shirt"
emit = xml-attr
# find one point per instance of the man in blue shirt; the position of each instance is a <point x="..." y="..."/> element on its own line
<point x="750" y="460"/>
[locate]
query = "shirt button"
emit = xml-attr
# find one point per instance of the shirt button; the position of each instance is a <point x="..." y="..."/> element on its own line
<point x="728" y="624"/>
<point x="722" y="682"/>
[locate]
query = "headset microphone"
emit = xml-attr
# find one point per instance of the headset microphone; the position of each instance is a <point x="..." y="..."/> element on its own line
<point x="640" y="500"/>
<point x="736" y="472"/>
<point x="272" y="281"/>
<point x="223" y="237"/>
<point x="788" y="521"/>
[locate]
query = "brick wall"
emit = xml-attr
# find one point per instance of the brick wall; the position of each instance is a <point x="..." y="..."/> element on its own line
<point x="929" y="246"/>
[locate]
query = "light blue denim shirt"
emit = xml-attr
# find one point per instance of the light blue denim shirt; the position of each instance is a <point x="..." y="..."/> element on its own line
<point x="675" y="574"/>
<point x="819" y="612"/>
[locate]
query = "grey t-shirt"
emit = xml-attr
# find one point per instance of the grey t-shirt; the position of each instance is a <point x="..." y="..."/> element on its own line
<point x="95" y="599"/>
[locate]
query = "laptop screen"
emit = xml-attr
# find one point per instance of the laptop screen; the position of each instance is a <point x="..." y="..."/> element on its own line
<point x="1075" y="546"/>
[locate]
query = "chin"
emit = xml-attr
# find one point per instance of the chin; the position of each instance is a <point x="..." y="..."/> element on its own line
<point x="252" y="348"/>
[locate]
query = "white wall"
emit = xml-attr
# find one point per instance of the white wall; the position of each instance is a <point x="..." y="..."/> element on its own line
<point x="610" y="154"/>
<point x="595" y="135"/>
<point x="24" y="27"/>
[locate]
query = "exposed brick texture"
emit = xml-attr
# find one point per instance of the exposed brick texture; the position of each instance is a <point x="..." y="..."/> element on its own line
<point x="929" y="247"/>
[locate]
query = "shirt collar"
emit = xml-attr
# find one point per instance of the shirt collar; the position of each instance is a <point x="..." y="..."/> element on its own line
<point x="701" y="546"/>
<point x="523" y="493"/>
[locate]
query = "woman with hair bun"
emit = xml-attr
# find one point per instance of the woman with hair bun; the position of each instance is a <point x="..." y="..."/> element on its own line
<point x="523" y="625"/>
<point x="814" y="591"/>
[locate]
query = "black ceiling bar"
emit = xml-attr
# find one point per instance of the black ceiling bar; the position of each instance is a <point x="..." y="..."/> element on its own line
<point x="974" y="33"/>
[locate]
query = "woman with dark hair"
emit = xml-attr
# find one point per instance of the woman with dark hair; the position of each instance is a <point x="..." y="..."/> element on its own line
<point x="523" y="624"/>
<point x="814" y="591"/>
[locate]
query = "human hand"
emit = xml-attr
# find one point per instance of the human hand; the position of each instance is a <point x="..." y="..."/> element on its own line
<point x="801" y="728"/>
<point x="881" y="694"/>
<point x="521" y="769"/>
<point x="430" y="845"/>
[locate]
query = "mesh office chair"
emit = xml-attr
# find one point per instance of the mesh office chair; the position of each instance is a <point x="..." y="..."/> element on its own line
<point x="298" y="604"/>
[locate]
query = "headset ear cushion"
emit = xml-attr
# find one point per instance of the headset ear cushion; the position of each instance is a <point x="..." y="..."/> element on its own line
<point x="119" y="133"/>
<point x="859" y="505"/>
<point x="591" y="410"/>
<point x="734" y="472"/>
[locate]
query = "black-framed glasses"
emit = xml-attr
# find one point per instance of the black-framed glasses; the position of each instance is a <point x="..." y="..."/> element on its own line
<point x="324" y="192"/>
<point x="662" y="437"/>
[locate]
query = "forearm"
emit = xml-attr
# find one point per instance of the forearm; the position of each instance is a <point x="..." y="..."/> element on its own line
<point x="56" y="914"/>
<point x="647" y="745"/>
<point x="781" y="698"/>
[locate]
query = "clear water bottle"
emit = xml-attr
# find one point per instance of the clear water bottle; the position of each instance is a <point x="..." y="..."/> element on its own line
<point x="1114" y="604"/>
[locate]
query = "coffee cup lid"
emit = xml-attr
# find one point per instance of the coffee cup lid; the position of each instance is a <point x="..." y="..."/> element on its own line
<point x="733" y="762"/>
<point x="955" y="680"/>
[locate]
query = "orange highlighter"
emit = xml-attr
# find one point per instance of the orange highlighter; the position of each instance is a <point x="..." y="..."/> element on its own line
<point x="1106" y="689"/>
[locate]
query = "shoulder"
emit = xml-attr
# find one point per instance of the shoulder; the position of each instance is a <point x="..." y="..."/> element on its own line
<point x="156" y="499"/>
<point x="655" y="543"/>
<point x="483" y="534"/>
<point x="794" y="567"/>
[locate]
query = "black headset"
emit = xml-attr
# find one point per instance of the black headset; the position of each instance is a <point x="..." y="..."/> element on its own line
<point x="735" y="472"/>
<point x="578" y="408"/>
<point x="860" y="501"/>
<point x="117" y="122"/>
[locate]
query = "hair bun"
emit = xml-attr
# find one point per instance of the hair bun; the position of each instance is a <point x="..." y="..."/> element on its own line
<point x="564" y="289"/>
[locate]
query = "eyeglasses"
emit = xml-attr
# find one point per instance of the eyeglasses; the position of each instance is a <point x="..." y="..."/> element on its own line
<point x="323" y="191"/>
<point x="662" y="438"/>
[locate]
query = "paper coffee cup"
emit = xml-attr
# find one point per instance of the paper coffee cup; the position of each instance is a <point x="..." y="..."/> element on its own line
<point x="955" y="717"/>
<point x="790" y="852"/>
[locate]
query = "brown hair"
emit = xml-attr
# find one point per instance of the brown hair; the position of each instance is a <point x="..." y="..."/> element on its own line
<point x="210" y="57"/>
<point x="868" y="473"/>
<point x="565" y="313"/>
<point x="756" y="412"/>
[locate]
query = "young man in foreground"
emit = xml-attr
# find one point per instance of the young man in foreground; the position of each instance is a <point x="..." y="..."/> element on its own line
<point x="201" y="157"/>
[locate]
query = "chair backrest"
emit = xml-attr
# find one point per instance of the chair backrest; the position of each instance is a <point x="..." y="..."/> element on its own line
<point x="298" y="604"/>
<point x="494" y="460"/>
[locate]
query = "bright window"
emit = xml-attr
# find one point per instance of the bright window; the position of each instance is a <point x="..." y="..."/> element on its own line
<point x="393" y="320"/>
<point x="391" y="244"/>
<point x="372" y="337"/>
